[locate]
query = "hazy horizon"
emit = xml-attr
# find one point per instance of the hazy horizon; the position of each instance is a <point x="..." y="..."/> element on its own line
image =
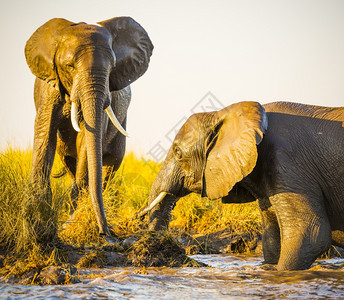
<point x="206" y="55"/>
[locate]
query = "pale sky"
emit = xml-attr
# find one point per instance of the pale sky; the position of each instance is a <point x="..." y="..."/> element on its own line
<point x="267" y="50"/>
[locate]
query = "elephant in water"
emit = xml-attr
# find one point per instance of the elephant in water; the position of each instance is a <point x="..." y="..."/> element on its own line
<point x="289" y="156"/>
<point x="83" y="73"/>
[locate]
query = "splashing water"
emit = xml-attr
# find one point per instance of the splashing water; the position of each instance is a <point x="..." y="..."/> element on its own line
<point x="228" y="277"/>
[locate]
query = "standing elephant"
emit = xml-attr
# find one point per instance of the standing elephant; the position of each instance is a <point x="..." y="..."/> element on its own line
<point x="83" y="75"/>
<point x="288" y="156"/>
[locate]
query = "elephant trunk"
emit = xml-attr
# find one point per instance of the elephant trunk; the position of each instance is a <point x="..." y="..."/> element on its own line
<point x="92" y="107"/>
<point x="160" y="202"/>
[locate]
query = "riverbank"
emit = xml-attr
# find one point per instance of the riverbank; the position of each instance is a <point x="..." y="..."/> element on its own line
<point x="152" y="251"/>
<point x="30" y="219"/>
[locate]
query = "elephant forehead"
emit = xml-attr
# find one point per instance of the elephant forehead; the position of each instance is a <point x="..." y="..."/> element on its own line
<point x="197" y="126"/>
<point x="189" y="130"/>
<point x="190" y="133"/>
<point x="83" y="33"/>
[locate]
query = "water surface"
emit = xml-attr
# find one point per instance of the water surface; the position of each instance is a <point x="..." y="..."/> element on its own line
<point x="228" y="277"/>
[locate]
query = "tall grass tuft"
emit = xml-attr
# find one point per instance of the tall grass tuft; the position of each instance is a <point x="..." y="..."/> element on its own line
<point x="29" y="216"/>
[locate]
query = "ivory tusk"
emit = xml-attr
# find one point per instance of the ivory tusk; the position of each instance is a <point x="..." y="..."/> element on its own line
<point x="115" y="122"/>
<point x="74" y="117"/>
<point x="154" y="203"/>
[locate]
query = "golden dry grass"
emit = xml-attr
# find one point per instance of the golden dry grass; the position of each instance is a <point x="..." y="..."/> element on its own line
<point x="125" y="194"/>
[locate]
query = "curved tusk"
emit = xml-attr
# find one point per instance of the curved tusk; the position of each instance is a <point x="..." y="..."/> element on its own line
<point x="115" y="122"/>
<point x="74" y="117"/>
<point x="154" y="203"/>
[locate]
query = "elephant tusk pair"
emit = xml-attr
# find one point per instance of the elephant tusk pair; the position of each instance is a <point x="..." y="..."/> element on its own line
<point x="154" y="203"/>
<point x="110" y="113"/>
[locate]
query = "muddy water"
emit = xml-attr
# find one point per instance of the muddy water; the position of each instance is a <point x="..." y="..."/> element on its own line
<point x="229" y="277"/>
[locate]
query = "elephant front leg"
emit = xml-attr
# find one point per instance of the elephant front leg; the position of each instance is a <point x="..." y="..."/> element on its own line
<point x="109" y="173"/>
<point x="42" y="161"/>
<point x="270" y="233"/>
<point x="113" y="153"/>
<point x="44" y="146"/>
<point x="81" y="176"/>
<point x="305" y="230"/>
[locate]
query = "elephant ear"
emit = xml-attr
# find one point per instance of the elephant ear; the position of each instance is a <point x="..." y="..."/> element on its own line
<point x="233" y="150"/>
<point x="40" y="50"/>
<point x="132" y="48"/>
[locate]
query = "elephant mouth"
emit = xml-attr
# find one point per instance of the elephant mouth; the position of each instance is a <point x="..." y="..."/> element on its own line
<point x="150" y="206"/>
<point x="187" y="187"/>
<point x="108" y="110"/>
<point x="196" y="188"/>
<point x="178" y="192"/>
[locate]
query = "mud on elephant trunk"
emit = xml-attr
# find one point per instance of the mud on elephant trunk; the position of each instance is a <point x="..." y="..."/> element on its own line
<point x="160" y="204"/>
<point x="160" y="214"/>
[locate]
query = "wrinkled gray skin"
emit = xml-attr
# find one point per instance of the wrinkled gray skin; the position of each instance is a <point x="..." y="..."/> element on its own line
<point x="288" y="156"/>
<point x="91" y="66"/>
<point x="73" y="151"/>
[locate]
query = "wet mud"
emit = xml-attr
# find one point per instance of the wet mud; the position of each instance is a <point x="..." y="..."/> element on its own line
<point x="222" y="242"/>
<point x="158" y="250"/>
<point x="152" y="249"/>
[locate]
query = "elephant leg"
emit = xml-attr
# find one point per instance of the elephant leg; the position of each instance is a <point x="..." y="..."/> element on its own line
<point x="271" y="238"/>
<point x="81" y="177"/>
<point x="70" y="165"/>
<point x="109" y="173"/>
<point x="44" y="145"/>
<point x="113" y="156"/>
<point x="74" y="195"/>
<point x="305" y="229"/>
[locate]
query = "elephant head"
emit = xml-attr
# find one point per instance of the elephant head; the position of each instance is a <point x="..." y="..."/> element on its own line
<point x="77" y="66"/>
<point x="209" y="155"/>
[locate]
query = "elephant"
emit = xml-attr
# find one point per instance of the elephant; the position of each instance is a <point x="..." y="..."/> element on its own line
<point x="287" y="156"/>
<point x="83" y="74"/>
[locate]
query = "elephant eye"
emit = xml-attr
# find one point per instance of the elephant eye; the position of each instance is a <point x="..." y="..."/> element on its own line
<point x="70" y="67"/>
<point x="178" y="152"/>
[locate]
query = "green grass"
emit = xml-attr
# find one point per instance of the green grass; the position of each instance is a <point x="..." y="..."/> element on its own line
<point x="29" y="217"/>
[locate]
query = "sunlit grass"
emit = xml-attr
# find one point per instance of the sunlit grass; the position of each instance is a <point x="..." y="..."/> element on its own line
<point x="25" y="219"/>
<point x="204" y="216"/>
<point x="28" y="216"/>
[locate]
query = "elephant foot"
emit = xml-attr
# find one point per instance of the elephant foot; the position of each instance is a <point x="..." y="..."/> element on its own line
<point x="268" y="267"/>
<point x="109" y="236"/>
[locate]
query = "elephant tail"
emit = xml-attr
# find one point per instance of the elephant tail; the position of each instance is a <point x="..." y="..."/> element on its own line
<point x="62" y="172"/>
